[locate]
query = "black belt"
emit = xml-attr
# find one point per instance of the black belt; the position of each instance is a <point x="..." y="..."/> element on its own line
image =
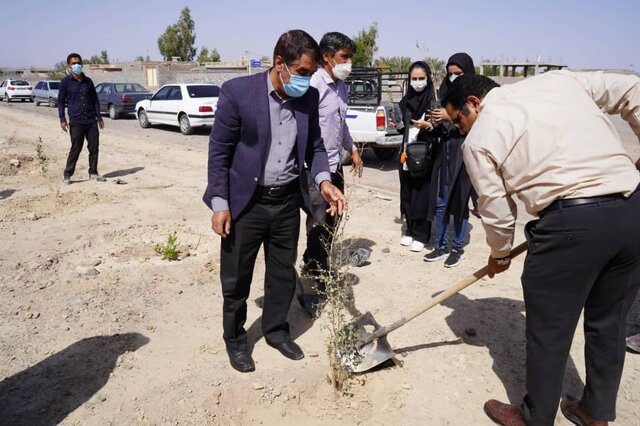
<point x="573" y="202"/>
<point x="280" y="191"/>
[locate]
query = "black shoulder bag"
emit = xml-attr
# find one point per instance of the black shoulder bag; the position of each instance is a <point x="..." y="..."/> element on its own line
<point x="418" y="154"/>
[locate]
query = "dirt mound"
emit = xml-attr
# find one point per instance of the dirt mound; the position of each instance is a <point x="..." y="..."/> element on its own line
<point x="51" y="204"/>
<point x="8" y="166"/>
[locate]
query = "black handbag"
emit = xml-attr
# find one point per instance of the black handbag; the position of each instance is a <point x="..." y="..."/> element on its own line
<point x="418" y="158"/>
<point x="419" y="154"/>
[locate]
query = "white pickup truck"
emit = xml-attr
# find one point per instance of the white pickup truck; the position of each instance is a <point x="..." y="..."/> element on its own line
<point x="373" y="107"/>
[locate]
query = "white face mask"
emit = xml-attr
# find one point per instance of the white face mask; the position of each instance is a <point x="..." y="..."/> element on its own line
<point x="419" y="85"/>
<point x="341" y="71"/>
<point x="453" y="77"/>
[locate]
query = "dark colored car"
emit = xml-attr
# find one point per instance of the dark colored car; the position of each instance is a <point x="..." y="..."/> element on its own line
<point x="120" y="98"/>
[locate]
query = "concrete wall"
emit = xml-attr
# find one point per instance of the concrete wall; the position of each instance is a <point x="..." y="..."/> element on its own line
<point x="118" y="77"/>
<point x="170" y="73"/>
<point x="507" y="80"/>
<point x="213" y="76"/>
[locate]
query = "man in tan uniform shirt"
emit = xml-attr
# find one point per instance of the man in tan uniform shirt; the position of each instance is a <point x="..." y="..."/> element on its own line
<point x="548" y="141"/>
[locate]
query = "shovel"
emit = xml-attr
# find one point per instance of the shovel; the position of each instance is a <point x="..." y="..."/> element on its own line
<point x="372" y="349"/>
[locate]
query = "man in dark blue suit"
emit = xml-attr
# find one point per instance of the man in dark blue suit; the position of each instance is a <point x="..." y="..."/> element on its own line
<point x="266" y="129"/>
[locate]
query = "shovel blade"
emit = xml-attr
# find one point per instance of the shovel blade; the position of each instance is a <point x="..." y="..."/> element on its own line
<point x="372" y="354"/>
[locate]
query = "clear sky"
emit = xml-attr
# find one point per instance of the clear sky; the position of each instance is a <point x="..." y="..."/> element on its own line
<point x="582" y="34"/>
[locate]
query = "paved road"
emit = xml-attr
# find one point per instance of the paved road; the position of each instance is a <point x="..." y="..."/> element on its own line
<point x="378" y="175"/>
<point x="128" y="125"/>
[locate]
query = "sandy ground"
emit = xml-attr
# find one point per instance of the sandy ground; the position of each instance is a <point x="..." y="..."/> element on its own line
<point x="97" y="329"/>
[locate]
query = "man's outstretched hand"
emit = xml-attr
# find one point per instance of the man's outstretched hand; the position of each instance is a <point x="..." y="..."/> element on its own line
<point x="332" y="195"/>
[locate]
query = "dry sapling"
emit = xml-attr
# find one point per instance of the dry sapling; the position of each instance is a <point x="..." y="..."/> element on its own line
<point x="43" y="160"/>
<point x="338" y="295"/>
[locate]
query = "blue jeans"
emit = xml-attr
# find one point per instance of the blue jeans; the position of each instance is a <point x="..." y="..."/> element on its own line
<point x="460" y="226"/>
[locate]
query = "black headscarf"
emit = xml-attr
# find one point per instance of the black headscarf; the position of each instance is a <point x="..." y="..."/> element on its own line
<point x="416" y="103"/>
<point x="465" y="63"/>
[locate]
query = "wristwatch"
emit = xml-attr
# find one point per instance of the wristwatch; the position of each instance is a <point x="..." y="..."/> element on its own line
<point x="502" y="261"/>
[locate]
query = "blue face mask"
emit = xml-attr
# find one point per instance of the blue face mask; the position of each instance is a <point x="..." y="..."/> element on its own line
<point x="297" y="86"/>
<point x="76" y="69"/>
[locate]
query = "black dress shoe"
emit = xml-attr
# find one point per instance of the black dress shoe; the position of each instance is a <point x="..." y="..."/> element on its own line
<point x="288" y="349"/>
<point x="241" y="360"/>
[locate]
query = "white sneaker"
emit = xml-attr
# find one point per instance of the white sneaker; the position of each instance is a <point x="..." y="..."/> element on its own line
<point x="406" y="240"/>
<point x="417" y="246"/>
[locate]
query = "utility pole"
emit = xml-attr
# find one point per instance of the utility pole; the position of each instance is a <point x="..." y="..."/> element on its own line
<point x="246" y="58"/>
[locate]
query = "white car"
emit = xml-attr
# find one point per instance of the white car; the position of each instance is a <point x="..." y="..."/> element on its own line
<point x="187" y="106"/>
<point x="15" y="89"/>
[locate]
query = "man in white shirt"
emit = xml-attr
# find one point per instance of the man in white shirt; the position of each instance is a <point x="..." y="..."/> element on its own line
<point x="548" y="141"/>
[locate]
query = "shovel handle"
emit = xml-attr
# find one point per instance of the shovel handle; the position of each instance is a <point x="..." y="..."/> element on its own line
<point x="454" y="289"/>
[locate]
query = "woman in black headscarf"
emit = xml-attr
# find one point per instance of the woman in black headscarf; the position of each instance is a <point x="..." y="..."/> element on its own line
<point x="452" y="189"/>
<point x="414" y="192"/>
<point x="457" y="65"/>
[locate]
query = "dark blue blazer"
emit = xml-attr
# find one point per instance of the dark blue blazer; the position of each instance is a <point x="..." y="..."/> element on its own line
<point x="241" y="137"/>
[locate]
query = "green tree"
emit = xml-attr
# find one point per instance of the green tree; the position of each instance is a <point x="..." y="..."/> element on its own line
<point x="187" y="35"/>
<point x="179" y="39"/>
<point x="214" y="56"/>
<point x="205" y="56"/>
<point x="168" y="43"/>
<point x="59" y="71"/>
<point x="104" y="57"/>
<point x="366" y="46"/>
<point x="95" y="59"/>
<point x="60" y="66"/>
<point x="393" y="63"/>
<point x="438" y="70"/>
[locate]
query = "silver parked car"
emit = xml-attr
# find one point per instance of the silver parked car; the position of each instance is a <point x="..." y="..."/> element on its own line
<point x="46" y="91"/>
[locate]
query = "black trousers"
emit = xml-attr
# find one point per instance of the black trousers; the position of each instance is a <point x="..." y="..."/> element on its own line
<point x="78" y="133"/>
<point x="275" y="224"/>
<point x="580" y="258"/>
<point x="419" y="229"/>
<point x="320" y="225"/>
<point x="414" y="205"/>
